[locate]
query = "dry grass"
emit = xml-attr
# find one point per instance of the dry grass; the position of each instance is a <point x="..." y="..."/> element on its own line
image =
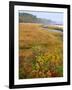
<point x="40" y="52"/>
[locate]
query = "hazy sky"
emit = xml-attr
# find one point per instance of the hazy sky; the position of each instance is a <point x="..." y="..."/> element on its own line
<point x="54" y="16"/>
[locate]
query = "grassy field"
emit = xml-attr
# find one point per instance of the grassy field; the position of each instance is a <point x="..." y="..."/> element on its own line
<point x="40" y="52"/>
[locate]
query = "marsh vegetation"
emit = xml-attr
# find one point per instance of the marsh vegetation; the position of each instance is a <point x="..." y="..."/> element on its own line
<point x="40" y="51"/>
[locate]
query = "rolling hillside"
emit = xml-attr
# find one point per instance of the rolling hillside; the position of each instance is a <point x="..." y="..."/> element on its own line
<point x="29" y="18"/>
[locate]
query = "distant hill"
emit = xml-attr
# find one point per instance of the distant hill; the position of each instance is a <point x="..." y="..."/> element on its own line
<point x="29" y="18"/>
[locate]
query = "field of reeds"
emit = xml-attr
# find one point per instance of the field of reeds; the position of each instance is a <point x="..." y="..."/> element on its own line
<point x="40" y="52"/>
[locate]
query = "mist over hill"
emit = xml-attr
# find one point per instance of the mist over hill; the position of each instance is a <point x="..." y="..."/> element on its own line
<point x="29" y="18"/>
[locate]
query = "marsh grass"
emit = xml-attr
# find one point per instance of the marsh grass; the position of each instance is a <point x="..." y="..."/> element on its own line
<point x="40" y="52"/>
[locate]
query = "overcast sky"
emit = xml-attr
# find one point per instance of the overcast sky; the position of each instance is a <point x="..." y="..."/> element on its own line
<point x="54" y="16"/>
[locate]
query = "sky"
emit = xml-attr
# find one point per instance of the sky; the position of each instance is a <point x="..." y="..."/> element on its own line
<point x="54" y="16"/>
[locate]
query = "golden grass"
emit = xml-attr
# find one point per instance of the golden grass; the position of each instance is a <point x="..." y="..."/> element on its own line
<point x="40" y="52"/>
